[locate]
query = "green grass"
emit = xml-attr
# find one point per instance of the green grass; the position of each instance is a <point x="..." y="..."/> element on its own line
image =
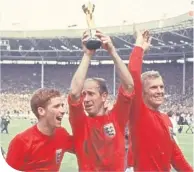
<point x="69" y="161"/>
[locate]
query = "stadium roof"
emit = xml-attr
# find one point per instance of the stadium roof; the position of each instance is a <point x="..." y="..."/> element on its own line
<point x="65" y="14"/>
<point x="40" y="30"/>
<point x="180" y="22"/>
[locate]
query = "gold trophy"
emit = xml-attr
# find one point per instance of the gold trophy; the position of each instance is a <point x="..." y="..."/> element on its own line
<point x="93" y="42"/>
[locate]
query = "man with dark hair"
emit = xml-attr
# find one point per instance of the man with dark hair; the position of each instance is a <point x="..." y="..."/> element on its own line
<point x="98" y="133"/>
<point x="181" y="122"/>
<point x="42" y="146"/>
<point x="153" y="145"/>
<point x="5" y="122"/>
<point x="2" y="122"/>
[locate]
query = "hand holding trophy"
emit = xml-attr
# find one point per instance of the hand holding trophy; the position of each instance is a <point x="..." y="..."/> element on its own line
<point x="93" y="42"/>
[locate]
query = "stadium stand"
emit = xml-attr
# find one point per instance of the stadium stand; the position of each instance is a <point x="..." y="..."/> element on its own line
<point x="171" y="46"/>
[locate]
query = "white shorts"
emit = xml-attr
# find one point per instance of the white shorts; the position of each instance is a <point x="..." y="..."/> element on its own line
<point x="130" y="169"/>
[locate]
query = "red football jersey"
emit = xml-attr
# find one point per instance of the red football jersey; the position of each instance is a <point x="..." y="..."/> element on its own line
<point x="33" y="151"/>
<point x="99" y="140"/>
<point x="130" y="162"/>
<point x="154" y="149"/>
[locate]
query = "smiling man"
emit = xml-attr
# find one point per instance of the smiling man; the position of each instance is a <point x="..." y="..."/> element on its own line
<point x="153" y="145"/>
<point x="42" y="146"/>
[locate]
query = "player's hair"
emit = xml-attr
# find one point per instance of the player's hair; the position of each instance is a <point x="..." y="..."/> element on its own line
<point x="41" y="98"/>
<point x="102" y="84"/>
<point x="150" y="75"/>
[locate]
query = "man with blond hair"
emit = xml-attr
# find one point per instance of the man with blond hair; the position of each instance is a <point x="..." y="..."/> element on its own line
<point x="153" y="145"/>
<point x="42" y="146"/>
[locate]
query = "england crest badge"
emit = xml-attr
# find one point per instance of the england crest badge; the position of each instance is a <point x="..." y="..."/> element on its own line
<point x="109" y="130"/>
<point x="58" y="156"/>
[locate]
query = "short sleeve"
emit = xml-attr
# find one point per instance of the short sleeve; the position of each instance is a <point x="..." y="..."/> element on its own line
<point x="16" y="153"/>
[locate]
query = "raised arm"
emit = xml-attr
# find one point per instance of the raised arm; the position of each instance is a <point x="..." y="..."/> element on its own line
<point x="121" y="69"/>
<point x="79" y="77"/>
<point x="135" y="67"/>
<point x="123" y="72"/>
<point x="125" y="94"/>
<point x="136" y="60"/>
<point x="76" y="110"/>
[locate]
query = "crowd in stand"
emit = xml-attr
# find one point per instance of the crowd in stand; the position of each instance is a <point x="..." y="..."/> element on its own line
<point x="19" y="81"/>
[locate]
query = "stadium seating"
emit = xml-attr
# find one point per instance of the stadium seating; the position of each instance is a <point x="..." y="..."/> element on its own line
<point x="19" y="81"/>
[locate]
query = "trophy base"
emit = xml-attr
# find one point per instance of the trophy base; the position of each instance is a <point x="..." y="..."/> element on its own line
<point x="93" y="44"/>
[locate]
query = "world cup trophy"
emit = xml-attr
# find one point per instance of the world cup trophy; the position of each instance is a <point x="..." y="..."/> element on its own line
<point x="93" y="42"/>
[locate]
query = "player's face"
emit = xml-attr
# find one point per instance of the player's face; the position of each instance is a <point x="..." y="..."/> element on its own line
<point x="93" y="100"/>
<point x="54" y="112"/>
<point x="153" y="92"/>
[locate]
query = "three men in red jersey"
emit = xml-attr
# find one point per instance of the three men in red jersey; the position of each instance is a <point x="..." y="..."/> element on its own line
<point x="98" y="134"/>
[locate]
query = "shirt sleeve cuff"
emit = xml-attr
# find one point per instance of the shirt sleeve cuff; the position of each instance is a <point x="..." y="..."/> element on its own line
<point x="126" y="93"/>
<point x="138" y="49"/>
<point x="75" y="104"/>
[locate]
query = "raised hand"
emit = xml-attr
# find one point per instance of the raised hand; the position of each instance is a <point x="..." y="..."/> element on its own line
<point x="106" y="42"/>
<point x="143" y="39"/>
<point x="84" y="40"/>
